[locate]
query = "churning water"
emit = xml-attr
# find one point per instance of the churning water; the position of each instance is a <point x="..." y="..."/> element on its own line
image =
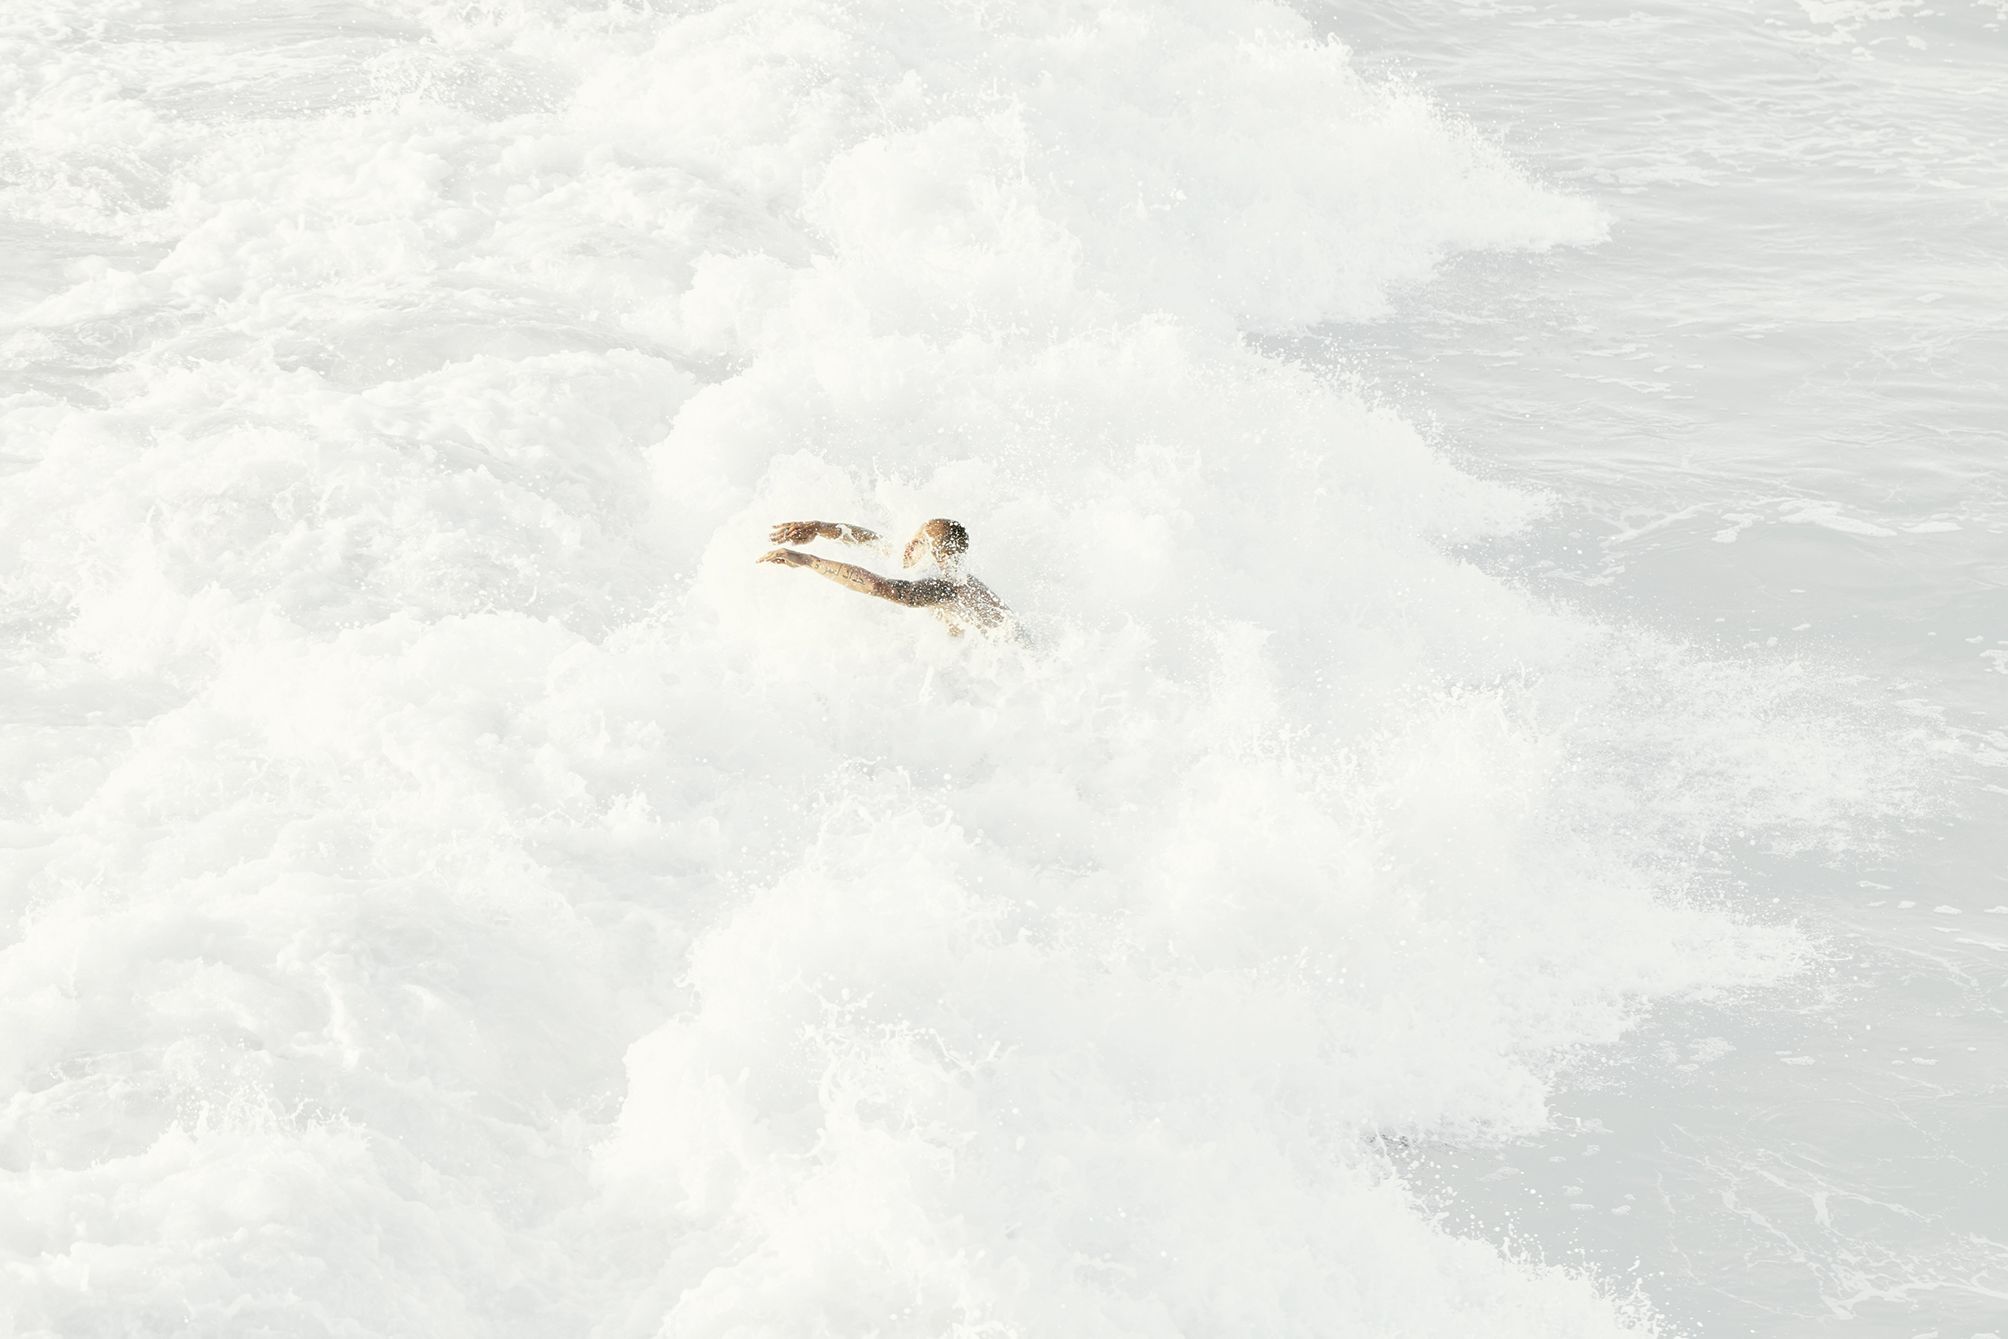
<point x="1499" y="833"/>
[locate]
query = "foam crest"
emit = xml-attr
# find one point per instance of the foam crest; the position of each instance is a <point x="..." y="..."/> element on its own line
<point x="486" y="902"/>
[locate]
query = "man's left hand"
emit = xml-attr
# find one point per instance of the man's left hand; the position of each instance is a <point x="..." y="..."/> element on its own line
<point x="785" y="557"/>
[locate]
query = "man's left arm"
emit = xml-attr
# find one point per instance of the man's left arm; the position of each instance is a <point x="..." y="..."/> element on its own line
<point x="913" y="594"/>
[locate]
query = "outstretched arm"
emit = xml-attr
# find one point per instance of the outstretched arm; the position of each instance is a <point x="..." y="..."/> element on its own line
<point x="914" y="594"/>
<point x="802" y="532"/>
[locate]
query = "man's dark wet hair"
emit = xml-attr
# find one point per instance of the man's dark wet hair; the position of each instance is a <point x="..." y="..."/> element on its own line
<point x="949" y="535"/>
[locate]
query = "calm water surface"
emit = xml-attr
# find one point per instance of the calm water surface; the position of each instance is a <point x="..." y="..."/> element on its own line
<point x="1770" y="409"/>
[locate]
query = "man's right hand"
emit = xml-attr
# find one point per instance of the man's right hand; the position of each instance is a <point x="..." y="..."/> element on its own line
<point x="802" y="532"/>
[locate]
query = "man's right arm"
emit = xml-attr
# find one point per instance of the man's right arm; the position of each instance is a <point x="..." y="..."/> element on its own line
<point x="802" y="532"/>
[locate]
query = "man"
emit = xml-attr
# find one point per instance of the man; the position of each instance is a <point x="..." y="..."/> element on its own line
<point x="958" y="599"/>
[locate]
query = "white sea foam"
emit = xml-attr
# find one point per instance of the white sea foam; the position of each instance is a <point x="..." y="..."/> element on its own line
<point x="459" y="892"/>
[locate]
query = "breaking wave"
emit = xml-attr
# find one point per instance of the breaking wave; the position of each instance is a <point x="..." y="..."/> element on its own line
<point x="459" y="892"/>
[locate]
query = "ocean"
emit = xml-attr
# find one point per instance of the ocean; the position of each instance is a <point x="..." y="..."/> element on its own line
<point x="1498" y="828"/>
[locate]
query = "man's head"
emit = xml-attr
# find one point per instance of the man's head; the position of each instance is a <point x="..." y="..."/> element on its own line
<point x="942" y="540"/>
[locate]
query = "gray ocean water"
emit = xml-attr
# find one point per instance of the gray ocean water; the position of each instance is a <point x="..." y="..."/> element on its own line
<point x="1502" y="833"/>
<point x="1773" y="411"/>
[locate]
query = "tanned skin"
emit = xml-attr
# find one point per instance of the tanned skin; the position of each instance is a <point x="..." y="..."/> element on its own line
<point x="959" y="600"/>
